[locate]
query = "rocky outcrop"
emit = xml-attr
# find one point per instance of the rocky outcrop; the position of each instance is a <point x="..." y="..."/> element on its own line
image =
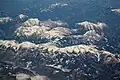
<point x="22" y="17"/>
<point x="52" y="49"/>
<point x="69" y="40"/>
<point x="117" y="11"/>
<point x="54" y="24"/>
<point x="71" y="62"/>
<point x="9" y="25"/>
<point x="58" y="32"/>
<point x="5" y="20"/>
<point x="34" y="30"/>
<point x="100" y="28"/>
<point x="92" y="37"/>
<point x="89" y="38"/>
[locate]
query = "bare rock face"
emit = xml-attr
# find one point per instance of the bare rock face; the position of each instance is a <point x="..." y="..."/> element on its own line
<point x="22" y="16"/>
<point x="92" y="37"/>
<point x="56" y="52"/>
<point x="5" y="20"/>
<point x="9" y="25"/>
<point x="100" y="28"/>
<point x="34" y="30"/>
<point x="71" y="62"/>
<point x="20" y="19"/>
<point x="54" y="24"/>
<point x="31" y="22"/>
<point x="89" y="38"/>
<point x="69" y="40"/>
<point x="37" y="31"/>
<point x="117" y="11"/>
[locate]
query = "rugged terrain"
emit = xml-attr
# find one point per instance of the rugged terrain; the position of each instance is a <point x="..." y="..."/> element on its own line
<point x="32" y="49"/>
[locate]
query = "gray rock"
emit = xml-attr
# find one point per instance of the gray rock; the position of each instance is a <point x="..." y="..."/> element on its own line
<point x="92" y="37"/>
<point x="34" y="30"/>
<point x="5" y="20"/>
<point x="99" y="28"/>
<point x="78" y="61"/>
<point x="117" y="11"/>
